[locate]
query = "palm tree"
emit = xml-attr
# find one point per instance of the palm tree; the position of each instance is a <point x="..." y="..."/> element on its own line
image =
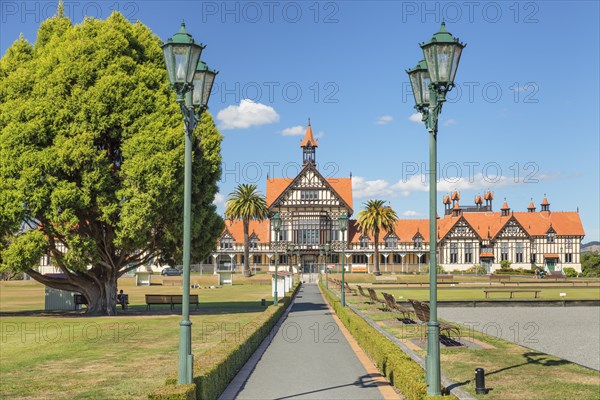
<point x="246" y="203"/>
<point x="375" y="217"/>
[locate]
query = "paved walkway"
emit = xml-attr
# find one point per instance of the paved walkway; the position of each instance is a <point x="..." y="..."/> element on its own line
<point x="308" y="358"/>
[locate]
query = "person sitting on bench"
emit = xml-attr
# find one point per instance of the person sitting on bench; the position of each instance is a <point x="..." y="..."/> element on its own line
<point x="121" y="299"/>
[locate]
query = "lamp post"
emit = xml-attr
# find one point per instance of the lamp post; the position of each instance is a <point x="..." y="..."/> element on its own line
<point x="431" y="80"/>
<point x="343" y="225"/>
<point x="192" y="81"/>
<point x="276" y="224"/>
<point x="327" y="248"/>
<point x="320" y="259"/>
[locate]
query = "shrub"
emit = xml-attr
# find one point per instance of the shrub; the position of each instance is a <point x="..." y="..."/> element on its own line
<point x="505" y="264"/>
<point x="425" y="269"/>
<point x="570" y="272"/>
<point x="398" y="367"/>
<point x="590" y="264"/>
<point x="477" y="269"/>
<point x="174" y="392"/>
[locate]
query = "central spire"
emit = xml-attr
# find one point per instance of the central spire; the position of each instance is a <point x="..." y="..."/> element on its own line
<point x="309" y="144"/>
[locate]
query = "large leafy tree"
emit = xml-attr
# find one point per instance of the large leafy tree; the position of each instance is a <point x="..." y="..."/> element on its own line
<point x="373" y="219"/>
<point x="91" y="157"/>
<point x="246" y="203"/>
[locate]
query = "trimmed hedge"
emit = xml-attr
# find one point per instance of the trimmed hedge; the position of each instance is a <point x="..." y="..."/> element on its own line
<point x="174" y="392"/>
<point x="213" y="371"/>
<point x="397" y="366"/>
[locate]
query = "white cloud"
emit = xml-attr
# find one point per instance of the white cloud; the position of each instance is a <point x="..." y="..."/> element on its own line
<point x="381" y="188"/>
<point x="384" y="120"/>
<point x="319" y="135"/>
<point x="219" y="200"/>
<point x="293" y="131"/>
<point x="411" y="213"/>
<point x="450" y="122"/>
<point x="416" y="117"/>
<point x="362" y="188"/>
<point x="247" y="114"/>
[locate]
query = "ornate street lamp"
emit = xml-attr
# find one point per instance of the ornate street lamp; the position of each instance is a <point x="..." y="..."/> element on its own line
<point x="182" y="60"/>
<point x="343" y="225"/>
<point x="276" y="224"/>
<point x="431" y="80"/>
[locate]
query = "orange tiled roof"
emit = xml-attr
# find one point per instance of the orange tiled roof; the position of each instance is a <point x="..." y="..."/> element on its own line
<point x="551" y="256"/>
<point x="566" y="223"/>
<point x="478" y="199"/>
<point x="488" y="195"/>
<point x="343" y="187"/>
<point x="309" y="138"/>
<point x="505" y="206"/>
<point x="236" y="229"/>
<point x="531" y="205"/>
<point x="455" y="195"/>
<point x="447" y="199"/>
<point x="545" y="201"/>
<point x="486" y="255"/>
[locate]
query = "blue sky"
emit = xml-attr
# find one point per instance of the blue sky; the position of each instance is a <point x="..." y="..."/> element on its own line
<point x="523" y="121"/>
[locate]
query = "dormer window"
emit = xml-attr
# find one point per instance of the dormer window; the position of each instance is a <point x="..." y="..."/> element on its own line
<point x="418" y="242"/>
<point x="253" y="243"/>
<point x="364" y="242"/>
<point x="391" y="242"/>
<point x="226" y="242"/>
<point x="551" y="236"/>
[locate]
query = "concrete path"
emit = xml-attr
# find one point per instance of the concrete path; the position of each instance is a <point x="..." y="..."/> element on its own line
<point x="308" y="358"/>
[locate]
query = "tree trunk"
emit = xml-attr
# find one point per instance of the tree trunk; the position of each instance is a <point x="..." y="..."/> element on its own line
<point x="102" y="300"/>
<point x="100" y="290"/>
<point x="247" y="272"/>
<point x="376" y="270"/>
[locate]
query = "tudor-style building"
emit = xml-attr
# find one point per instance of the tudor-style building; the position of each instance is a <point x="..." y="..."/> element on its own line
<point x="310" y="204"/>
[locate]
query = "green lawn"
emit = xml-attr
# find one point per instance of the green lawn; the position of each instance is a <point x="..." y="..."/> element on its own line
<point x="125" y="357"/>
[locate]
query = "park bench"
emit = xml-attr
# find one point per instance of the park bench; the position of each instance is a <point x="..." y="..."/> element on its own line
<point x="511" y="291"/>
<point x="170" y="299"/>
<point x="80" y="299"/>
<point x="394" y="306"/>
<point x="422" y="314"/>
<point x="373" y="296"/>
<point x="445" y="278"/>
<point x="178" y="299"/>
<point x="172" y="282"/>
<point x="359" y="269"/>
<point x="349" y="289"/>
<point x="362" y="293"/>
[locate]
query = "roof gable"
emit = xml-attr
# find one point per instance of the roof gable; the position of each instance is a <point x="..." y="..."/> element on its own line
<point x="281" y="189"/>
